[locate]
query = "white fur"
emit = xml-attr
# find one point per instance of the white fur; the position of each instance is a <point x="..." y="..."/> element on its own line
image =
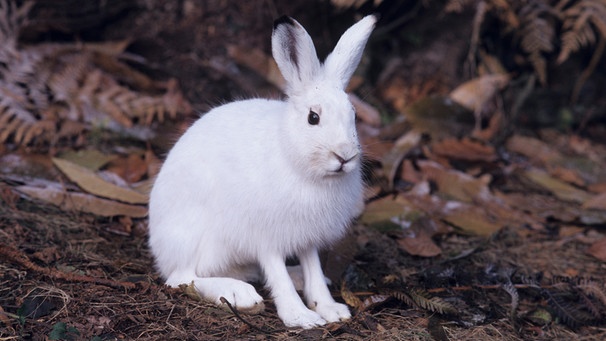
<point x="252" y="183"/>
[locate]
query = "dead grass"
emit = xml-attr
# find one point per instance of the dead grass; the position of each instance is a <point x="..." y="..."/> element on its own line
<point x="150" y="311"/>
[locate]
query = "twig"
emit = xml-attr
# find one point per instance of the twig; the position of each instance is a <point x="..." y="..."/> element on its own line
<point x="233" y="310"/>
<point x="489" y="286"/>
<point x="475" y="37"/>
<point x="15" y="256"/>
<point x="595" y="59"/>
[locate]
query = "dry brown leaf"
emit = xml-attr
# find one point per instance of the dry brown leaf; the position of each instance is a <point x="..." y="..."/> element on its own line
<point x="598" y="249"/>
<point x="81" y="202"/>
<point x="190" y="291"/>
<point x="381" y="213"/>
<point x="495" y="126"/>
<point x="472" y="219"/>
<point x="88" y="158"/>
<point x="597" y="202"/>
<point x="599" y="187"/>
<point x="122" y="227"/>
<point x="259" y="62"/>
<point x="420" y="245"/>
<point x="560" y="189"/>
<point x="456" y="184"/>
<point x="475" y="94"/>
<point x="409" y="172"/>
<point x="534" y="149"/>
<point x="567" y="231"/>
<point x="464" y="149"/>
<point x="568" y="175"/>
<point x="92" y="183"/>
<point x="541" y="207"/>
<point x="350" y="298"/>
<point x="438" y="116"/>
<point x="392" y="160"/>
<point x="131" y="168"/>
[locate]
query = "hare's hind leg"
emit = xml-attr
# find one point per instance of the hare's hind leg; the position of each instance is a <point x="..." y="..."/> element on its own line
<point x="239" y="294"/>
<point x="291" y="309"/>
<point x="315" y="290"/>
<point x="296" y="275"/>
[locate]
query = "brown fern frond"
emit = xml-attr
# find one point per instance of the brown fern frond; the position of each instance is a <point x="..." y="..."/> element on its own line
<point x="403" y="297"/>
<point x="515" y="297"/>
<point x="536" y="34"/>
<point x="576" y="301"/>
<point x="568" y="309"/>
<point x="12" y="17"/>
<point x="50" y="92"/>
<point x="434" y="304"/>
<point x="581" y="22"/>
<point x="592" y="288"/>
<point x="422" y="299"/>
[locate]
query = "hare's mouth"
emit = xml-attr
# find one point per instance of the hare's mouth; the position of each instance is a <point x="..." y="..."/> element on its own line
<point x="342" y="164"/>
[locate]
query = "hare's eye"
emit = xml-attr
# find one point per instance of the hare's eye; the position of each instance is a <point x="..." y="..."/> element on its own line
<point x="313" y="118"/>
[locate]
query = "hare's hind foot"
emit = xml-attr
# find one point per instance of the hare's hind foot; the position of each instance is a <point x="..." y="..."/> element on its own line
<point x="241" y="295"/>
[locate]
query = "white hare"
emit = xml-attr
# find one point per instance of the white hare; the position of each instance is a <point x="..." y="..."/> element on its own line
<point x="256" y="181"/>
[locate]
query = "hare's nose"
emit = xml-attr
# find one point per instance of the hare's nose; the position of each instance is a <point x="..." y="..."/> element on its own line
<point x="342" y="159"/>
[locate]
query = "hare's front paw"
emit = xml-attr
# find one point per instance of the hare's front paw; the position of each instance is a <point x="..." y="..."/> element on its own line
<point x="302" y="318"/>
<point x="333" y="311"/>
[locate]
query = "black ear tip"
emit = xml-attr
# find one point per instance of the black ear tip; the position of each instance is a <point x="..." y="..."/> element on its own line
<point x="284" y="20"/>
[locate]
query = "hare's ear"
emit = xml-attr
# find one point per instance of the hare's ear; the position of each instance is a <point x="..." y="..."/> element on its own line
<point x="344" y="59"/>
<point x="294" y="53"/>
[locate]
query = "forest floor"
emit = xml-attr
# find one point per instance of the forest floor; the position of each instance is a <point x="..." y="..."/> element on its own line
<point x="467" y="235"/>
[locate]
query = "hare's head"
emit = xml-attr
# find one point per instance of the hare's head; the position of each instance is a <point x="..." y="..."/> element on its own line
<point x="320" y="119"/>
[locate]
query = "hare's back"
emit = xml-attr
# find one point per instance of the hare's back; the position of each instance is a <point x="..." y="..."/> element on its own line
<point x="241" y="121"/>
<point x="233" y="138"/>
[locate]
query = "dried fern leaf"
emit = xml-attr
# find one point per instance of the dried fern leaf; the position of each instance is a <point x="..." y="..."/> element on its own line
<point x="404" y="297"/>
<point x="515" y="297"/>
<point x="12" y="18"/>
<point x="567" y="309"/>
<point x="582" y="22"/>
<point x="44" y="86"/>
<point x="350" y="298"/>
<point x="434" y="304"/>
<point x="421" y="298"/>
<point x="592" y="306"/>
<point x="537" y="34"/>
<point x="592" y="288"/>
